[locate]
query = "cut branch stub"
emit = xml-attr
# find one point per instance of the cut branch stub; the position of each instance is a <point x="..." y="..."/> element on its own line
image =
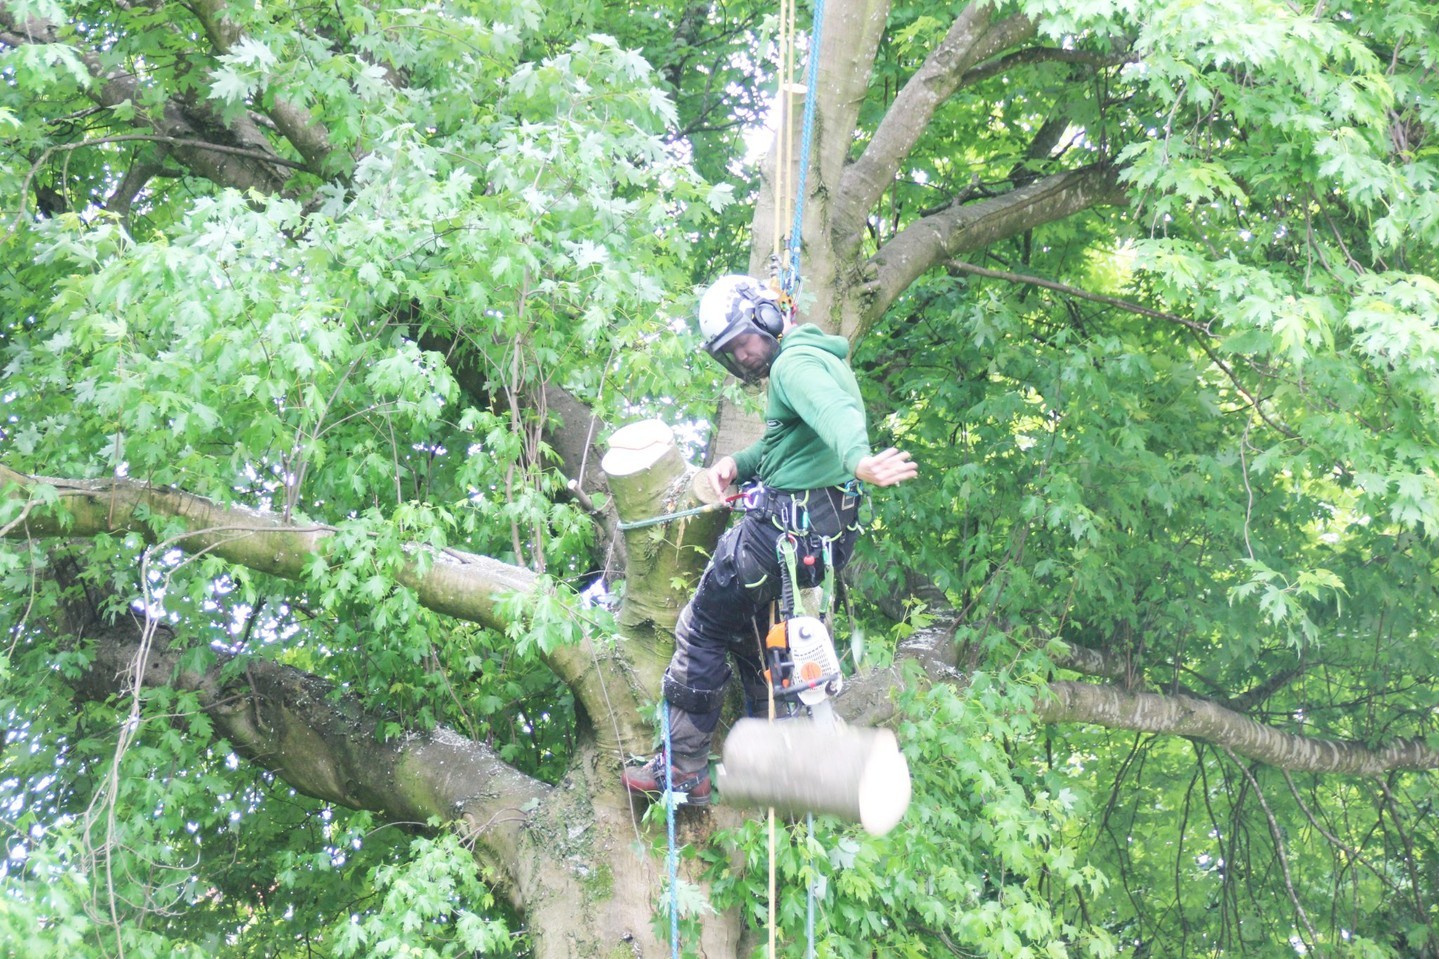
<point x="642" y="462"/>
<point x="650" y="483"/>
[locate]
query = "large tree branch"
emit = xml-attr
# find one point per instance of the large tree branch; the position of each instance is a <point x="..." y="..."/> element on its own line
<point x="1194" y="718"/>
<point x="465" y="585"/>
<point x="973" y="38"/>
<point x="139" y="173"/>
<point x="867" y="700"/>
<point x="188" y="123"/>
<point x="939" y="237"/>
<point x="452" y="582"/>
<point x="291" y="723"/>
<point x="307" y="136"/>
<point x="542" y="844"/>
<point x="852" y="34"/>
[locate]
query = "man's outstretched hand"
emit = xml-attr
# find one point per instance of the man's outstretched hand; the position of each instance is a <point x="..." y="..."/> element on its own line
<point x="886" y="469"/>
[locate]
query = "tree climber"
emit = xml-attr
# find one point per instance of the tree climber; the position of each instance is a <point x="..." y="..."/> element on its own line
<point x="808" y="467"/>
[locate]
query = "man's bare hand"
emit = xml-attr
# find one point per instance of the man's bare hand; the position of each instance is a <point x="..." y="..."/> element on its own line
<point x="886" y="469"/>
<point x="722" y="474"/>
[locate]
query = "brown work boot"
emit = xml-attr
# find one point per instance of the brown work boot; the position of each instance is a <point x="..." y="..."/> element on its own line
<point x="649" y="779"/>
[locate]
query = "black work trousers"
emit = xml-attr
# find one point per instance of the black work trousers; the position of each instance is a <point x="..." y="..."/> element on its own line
<point x="729" y="614"/>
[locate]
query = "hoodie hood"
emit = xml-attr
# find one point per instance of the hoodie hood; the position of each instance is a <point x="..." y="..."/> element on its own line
<point x="809" y="335"/>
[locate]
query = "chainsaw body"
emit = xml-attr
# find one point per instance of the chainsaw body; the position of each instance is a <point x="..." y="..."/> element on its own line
<point x="800" y="661"/>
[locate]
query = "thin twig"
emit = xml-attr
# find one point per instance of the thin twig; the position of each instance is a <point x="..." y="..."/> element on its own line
<point x="1354" y="855"/>
<point x="1278" y="837"/>
<point x="1076" y="292"/>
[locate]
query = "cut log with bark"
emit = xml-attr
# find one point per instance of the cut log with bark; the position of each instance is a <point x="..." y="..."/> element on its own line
<point x="800" y="766"/>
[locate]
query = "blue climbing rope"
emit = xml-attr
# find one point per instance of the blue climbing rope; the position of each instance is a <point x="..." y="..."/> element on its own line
<point x="672" y="857"/>
<point x="809" y="905"/>
<point x="789" y="278"/>
<point x="789" y="281"/>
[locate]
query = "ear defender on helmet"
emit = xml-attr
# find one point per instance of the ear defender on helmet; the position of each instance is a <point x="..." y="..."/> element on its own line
<point x="767" y="317"/>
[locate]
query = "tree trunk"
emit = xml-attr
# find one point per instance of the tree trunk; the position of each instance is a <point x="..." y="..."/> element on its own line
<point x="573" y="859"/>
<point x="597" y="874"/>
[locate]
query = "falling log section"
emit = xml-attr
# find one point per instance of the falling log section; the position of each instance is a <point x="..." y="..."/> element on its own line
<point x="801" y="766"/>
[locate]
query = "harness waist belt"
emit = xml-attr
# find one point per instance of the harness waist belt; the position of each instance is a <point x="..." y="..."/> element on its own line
<point x="828" y="510"/>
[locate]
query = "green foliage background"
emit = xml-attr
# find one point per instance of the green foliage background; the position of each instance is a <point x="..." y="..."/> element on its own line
<point x="1223" y="477"/>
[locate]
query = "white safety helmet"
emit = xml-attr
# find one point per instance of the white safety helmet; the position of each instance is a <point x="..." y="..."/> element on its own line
<point x="741" y="322"/>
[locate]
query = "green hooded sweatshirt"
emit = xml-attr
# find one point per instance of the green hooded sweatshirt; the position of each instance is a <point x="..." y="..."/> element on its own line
<point x="815" y="427"/>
